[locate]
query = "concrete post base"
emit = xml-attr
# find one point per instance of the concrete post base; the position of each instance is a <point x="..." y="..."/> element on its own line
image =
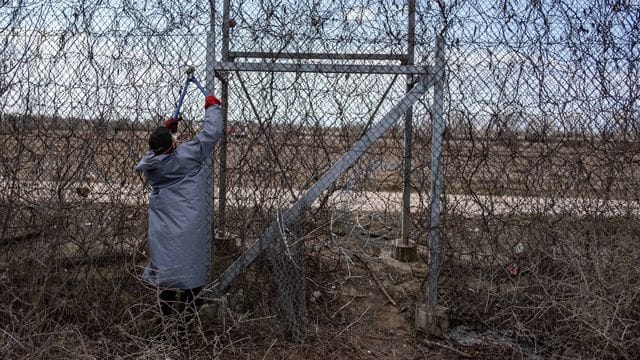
<point x="213" y="310"/>
<point x="432" y="320"/>
<point x="403" y="252"/>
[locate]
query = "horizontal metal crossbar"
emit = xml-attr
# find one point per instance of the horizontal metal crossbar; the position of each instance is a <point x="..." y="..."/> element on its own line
<point x="310" y="56"/>
<point x="321" y="68"/>
<point x="343" y="164"/>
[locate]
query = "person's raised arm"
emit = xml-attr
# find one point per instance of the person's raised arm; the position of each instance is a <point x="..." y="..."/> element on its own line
<point x="211" y="132"/>
<point x="212" y="125"/>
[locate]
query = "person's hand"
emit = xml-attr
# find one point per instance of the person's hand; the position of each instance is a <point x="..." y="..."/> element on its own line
<point x="172" y="124"/>
<point x="211" y="100"/>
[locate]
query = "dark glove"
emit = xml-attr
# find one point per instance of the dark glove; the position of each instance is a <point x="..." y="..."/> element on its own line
<point x="172" y="124"/>
<point x="211" y="100"/>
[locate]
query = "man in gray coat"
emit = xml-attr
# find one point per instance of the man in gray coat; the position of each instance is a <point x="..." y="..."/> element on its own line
<point x="178" y="217"/>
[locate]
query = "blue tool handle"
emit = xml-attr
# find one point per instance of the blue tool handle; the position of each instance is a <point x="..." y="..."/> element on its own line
<point x="195" y="81"/>
<point x="176" y="112"/>
<point x="183" y="93"/>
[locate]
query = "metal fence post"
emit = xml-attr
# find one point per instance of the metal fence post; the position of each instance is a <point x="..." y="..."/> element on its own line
<point x="436" y="172"/>
<point x="408" y="130"/>
<point x="210" y="87"/>
<point x="224" y="87"/>
<point x="402" y="250"/>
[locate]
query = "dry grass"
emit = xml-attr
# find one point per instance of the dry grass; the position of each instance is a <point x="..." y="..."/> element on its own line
<point x="70" y="265"/>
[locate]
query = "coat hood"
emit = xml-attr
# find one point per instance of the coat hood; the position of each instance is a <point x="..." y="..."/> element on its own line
<point x="161" y="170"/>
<point x="150" y="161"/>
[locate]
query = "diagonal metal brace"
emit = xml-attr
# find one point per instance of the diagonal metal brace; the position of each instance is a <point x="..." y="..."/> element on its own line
<point x="217" y="288"/>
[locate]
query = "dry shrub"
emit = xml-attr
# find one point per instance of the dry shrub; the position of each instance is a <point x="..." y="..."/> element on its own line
<point x="574" y="294"/>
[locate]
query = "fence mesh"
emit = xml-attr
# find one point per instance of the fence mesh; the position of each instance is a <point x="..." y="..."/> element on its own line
<point x="539" y="160"/>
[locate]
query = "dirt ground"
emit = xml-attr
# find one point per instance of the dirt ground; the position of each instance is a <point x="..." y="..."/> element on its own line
<point x="360" y="302"/>
<point x="361" y="305"/>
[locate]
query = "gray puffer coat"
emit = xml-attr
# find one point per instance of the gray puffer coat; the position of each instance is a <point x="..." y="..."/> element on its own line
<point x="179" y="218"/>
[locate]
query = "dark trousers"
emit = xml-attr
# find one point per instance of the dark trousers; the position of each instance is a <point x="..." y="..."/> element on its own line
<point x="183" y="303"/>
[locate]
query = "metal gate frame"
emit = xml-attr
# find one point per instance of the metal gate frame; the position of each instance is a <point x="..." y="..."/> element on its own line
<point x="426" y="77"/>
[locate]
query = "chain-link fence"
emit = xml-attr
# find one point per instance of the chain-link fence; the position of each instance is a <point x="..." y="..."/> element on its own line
<point x="540" y="171"/>
<point x="538" y="161"/>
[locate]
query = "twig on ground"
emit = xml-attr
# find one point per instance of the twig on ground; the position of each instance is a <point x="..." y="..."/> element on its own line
<point x="19" y="238"/>
<point x="446" y="347"/>
<point x="379" y="337"/>
<point x="242" y="321"/>
<point x="353" y="323"/>
<point x="423" y="353"/>
<point x="375" y="278"/>
<point x="269" y="349"/>
<point x="13" y="338"/>
<point x="342" y="307"/>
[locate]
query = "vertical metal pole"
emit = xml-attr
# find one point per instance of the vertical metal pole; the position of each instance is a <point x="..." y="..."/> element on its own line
<point x="436" y="173"/>
<point x="408" y="130"/>
<point x="222" y="195"/>
<point x="210" y="87"/>
<point x="210" y="76"/>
